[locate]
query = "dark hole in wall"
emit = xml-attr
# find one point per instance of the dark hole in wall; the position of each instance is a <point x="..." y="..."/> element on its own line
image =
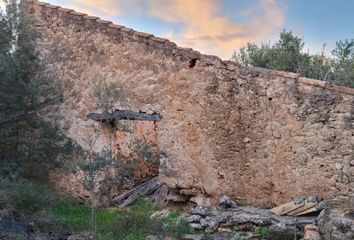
<point x="192" y="62"/>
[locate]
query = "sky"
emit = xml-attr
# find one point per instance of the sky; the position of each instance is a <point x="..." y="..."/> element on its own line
<point x="219" y="27"/>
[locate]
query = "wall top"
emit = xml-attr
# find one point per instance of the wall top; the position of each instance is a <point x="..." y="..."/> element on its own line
<point x="189" y="53"/>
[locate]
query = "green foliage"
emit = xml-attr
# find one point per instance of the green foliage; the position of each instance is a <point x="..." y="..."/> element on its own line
<point x="77" y="216"/>
<point x="287" y="54"/>
<point x="238" y="237"/>
<point x="25" y="149"/>
<point x="284" y="55"/>
<point x="72" y="214"/>
<point x="262" y="233"/>
<point x="344" y="67"/>
<point x="34" y="202"/>
<point x="26" y="197"/>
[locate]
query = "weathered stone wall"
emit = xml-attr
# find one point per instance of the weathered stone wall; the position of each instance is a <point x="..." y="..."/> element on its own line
<point x="259" y="136"/>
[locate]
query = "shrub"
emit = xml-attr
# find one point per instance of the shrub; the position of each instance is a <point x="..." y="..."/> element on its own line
<point x="26" y="197"/>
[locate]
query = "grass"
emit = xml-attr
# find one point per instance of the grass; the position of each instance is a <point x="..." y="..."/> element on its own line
<point x="262" y="233"/>
<point x="32" y="200"/>
<point x="136" y="224"/>
<point x="71" y="214"/>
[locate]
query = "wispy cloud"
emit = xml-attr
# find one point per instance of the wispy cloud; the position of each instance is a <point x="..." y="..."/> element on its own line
<point x="200" y="24"/>
<point x="109" y="7"/>
<point x="206" y="29"/>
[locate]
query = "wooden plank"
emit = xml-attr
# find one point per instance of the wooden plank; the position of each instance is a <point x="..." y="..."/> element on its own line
<point x="142" y="190"/>
<point x="310" y="210"/>
<point x="160" y="194"/>
<point x="124" y="115"/>
<point x="299" y="211"/>
<point x="287" y="207"/>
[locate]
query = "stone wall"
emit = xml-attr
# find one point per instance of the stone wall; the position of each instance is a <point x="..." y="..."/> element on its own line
<point x="259" y="136"/>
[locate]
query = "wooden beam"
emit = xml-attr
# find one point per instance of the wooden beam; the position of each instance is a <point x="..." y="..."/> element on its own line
<point x="142" y="190"/>
<point x="124" y="115"/>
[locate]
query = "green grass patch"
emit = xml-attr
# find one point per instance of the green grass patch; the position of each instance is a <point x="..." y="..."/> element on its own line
<point x="72" y="215"/>
<point x="78" y="216"/>
<point x="33" y="201"/>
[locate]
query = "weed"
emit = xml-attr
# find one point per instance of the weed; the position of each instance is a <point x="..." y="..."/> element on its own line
<point x="71" y="214"/>
<point x="238" y="237"/>
<point x="262" y="233"/>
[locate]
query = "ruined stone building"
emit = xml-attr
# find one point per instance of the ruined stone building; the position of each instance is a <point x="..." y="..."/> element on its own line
<point x="259" y="136"/>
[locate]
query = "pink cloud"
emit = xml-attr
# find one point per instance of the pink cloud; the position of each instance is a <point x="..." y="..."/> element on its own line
<point x="203" y="26"/>
<point x="205" y="30"/>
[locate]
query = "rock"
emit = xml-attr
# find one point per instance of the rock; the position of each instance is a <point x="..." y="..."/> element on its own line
<point x="247" y="140"/>
<point x="282" y="232"/>
<point x="342" y="202"/>
<point x="41" y="236"/>
<point x="11" y="226"/>
<point x="226" y="202"/>
<point x="160" y="214"/>
<point x="81" y="236"/>
<point x="152" y="237"/>
<point x="334" y="225"/>
<point x="196" y="226"/>
<point x="150" y="112"/>
<point x="205" y="211"/>
<point x="192" y="237"/>
<point x="193" y="219"/>
<point x="227" y="230"/>
<point x="311" y="232"/>
<point x="247" y="219"/>
<point x="338" y="166"/>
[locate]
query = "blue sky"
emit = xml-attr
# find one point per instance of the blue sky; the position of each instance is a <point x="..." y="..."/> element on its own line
<point x="220" y="26"/>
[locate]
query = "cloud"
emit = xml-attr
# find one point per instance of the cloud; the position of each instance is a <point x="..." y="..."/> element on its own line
<point x="109" y="7"/>
<point x="200" y="24"/>
<point x="205" y="28"/>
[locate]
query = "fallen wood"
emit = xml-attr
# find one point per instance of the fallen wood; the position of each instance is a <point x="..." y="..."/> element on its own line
<point x="301" y="210"/>
<point x="286" y="208"/>
<point x="124" y="115"/>
<point x="144" y="189"/>
<point x="298" y="208"/>
<point x="160" y="194"/>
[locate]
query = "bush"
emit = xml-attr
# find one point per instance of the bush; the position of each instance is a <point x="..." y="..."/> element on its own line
<point x="25" y="197"/>
<point x="287" y="54"/>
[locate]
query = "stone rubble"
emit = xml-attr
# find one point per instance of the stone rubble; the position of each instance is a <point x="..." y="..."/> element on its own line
<point x="336" y="225"/>
<point x="246" y="219"/>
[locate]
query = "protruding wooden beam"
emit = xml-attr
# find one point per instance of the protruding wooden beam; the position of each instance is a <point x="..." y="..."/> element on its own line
<point x="124" y="115"/>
